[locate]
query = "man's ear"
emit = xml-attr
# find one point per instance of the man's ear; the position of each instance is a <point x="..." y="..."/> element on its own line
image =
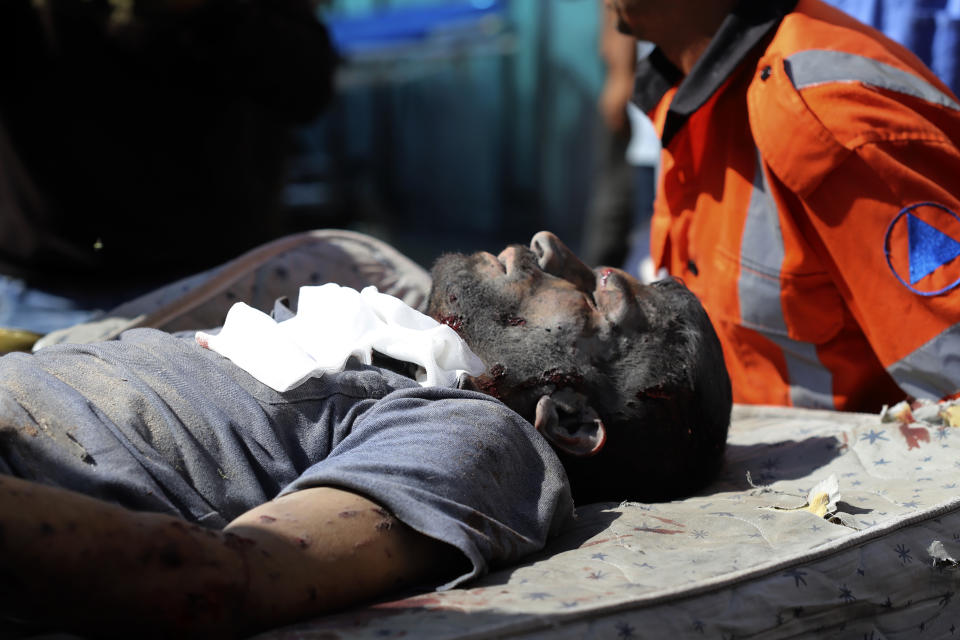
<point x="570" y="424"/>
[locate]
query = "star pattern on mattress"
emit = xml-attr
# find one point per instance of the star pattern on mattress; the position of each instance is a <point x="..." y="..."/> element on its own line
<point x="798" y="577"/>
<point x="606" y="584"/>
<point x="846" y="594"/>
<point x="873" y="436"/>
<point x="903" y="552"/>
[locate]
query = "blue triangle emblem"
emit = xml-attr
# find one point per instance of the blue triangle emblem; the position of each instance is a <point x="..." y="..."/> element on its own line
<point x="929" y="248"/>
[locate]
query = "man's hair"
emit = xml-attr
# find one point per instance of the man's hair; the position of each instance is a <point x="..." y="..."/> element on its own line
<point x="667" y="427"/>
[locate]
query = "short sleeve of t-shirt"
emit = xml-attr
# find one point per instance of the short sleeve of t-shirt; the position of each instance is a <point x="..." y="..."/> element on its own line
<point x="457" y="466"/>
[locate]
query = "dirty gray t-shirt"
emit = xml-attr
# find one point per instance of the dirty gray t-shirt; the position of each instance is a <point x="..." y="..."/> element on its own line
<point x="155" y="422"/>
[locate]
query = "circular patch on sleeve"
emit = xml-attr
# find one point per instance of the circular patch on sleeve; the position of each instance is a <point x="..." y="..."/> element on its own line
<point x="922" y="245"/>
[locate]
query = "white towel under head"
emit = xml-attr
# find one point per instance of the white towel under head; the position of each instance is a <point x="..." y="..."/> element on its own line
<point x="332" y="324"/>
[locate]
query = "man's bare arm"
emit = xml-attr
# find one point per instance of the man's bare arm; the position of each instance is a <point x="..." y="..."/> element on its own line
<point x="322" y="549"/>
<point x="70" y="562"/>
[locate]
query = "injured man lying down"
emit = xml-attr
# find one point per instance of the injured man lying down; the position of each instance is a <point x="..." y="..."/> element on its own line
<point x="171" y="484"/>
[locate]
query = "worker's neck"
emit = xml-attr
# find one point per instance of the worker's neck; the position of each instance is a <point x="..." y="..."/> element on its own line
<point x="685" y="55"/>
<point x="688" y="37"/>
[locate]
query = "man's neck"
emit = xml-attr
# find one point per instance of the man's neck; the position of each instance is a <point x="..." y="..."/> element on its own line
<point x="684" y="37"/>
<point x="686" y="55"/>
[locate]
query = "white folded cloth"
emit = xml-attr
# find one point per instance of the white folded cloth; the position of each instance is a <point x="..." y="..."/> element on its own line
<point x="333" y="323"/>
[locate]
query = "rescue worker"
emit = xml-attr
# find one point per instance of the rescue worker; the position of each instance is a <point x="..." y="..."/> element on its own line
<point x="808" y="194"/>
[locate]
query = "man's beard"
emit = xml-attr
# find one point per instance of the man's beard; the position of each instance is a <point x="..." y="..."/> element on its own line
<point x="461" y="299"/>
<point x="467" y="300"/>
<point x="517" y="356"/>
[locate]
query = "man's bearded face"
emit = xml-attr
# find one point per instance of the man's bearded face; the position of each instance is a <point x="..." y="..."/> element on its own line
<point x="642" y="362"/>
<point x="538" y="317"/>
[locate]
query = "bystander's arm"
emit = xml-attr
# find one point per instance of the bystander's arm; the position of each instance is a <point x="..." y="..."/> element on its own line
<point x="619" y="54"/>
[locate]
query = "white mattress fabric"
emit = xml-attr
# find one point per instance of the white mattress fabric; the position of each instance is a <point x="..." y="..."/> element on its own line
<point x="873" y="557"/>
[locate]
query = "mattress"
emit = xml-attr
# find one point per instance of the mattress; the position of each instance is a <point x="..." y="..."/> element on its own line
<point x="871" y="556"/>
<point x="746" y="558"/>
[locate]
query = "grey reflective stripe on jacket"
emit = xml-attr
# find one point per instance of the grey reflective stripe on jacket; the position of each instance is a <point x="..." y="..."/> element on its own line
<point x="817" y="66"/>
<point x="761" y="260"/>
<point x="933" y="370"/>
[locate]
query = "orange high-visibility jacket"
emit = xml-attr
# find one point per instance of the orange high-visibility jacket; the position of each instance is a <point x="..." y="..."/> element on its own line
<point x="809" y="194"/>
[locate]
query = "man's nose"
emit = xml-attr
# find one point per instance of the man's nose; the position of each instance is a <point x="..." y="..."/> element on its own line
<point x="556" y="259"/>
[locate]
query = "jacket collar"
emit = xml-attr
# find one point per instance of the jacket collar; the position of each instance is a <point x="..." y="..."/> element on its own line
<point x="735" y="41"/>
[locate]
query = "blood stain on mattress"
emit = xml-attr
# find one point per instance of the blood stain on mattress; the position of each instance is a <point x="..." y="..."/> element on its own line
<point x="602" y="540"/>
<point x="914" y="435"/>
<point x="660" y="530"/>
